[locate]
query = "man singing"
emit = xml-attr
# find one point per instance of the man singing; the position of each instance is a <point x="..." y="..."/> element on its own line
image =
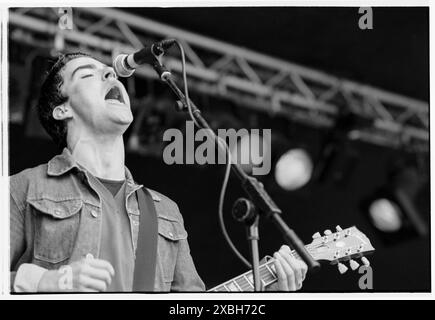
<point x="79" y="214"/>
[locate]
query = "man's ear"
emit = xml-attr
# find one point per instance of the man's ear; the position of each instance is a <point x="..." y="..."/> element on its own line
<point x="62" y="112"/>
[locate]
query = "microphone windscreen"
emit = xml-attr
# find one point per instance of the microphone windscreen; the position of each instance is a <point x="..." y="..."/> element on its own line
<point x="120" y="67"/>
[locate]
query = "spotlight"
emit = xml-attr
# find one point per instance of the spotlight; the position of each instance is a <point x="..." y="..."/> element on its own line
<point x="251" y="151"/>
<point x="293" y="169"/>
<point x="385" y="215"/>
<point x="391" y="209"/>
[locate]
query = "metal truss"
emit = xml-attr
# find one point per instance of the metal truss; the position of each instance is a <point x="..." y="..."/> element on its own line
<point x="250" y="79"/>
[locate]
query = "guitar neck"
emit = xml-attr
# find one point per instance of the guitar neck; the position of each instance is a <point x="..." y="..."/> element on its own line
<point x="245" y="282"/>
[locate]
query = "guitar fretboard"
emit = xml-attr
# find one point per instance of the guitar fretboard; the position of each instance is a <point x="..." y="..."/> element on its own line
<point x="245" y="282"/>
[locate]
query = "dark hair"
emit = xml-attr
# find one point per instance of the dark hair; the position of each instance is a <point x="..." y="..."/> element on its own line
<point x="51" y="96"/>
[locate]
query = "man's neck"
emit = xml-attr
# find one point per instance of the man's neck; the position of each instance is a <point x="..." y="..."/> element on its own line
<point x="103" y="158"/>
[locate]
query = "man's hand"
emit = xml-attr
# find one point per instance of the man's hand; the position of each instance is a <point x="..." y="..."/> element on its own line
<point x="291" y="272"/>
<point x="86" y="275"/>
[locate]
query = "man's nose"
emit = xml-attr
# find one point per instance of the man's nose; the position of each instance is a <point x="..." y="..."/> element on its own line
<point x="109" y="73"/>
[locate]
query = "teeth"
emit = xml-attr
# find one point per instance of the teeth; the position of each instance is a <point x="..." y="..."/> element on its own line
<point x="113" y="101"/>
<point x="114" y="94"/>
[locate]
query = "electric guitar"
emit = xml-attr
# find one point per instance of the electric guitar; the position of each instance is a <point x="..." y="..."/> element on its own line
<point x="338" y="247"/>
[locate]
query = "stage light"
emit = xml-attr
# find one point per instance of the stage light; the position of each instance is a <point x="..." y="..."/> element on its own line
<point x="386" y="215"/>
<point x="251" y="151"/>
<point x="293" y="169"/>
<point x="392" y="209"/>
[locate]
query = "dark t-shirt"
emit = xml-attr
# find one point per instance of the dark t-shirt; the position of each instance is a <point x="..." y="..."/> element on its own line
<point x="112" y="185"/>
<point x="116" y="239"/>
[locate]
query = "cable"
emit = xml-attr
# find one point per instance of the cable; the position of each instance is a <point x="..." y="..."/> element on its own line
<point x="228" y="164"/>
<point x="186" y="90"/>
<point x="221" y="206"/>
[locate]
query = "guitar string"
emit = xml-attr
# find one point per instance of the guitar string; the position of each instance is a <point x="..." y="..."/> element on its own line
<point x="245" y="285"/>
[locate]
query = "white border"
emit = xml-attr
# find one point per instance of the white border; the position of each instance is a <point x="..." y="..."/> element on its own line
<point x="4" y="182"/>
<point x="4" y="192"/>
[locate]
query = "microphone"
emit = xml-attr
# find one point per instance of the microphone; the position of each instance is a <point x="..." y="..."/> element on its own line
<point x="125" y="65"/>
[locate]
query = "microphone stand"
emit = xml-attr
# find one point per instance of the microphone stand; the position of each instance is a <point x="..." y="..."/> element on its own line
<point x="254" y="189"/>
<point x="244" y="211"/>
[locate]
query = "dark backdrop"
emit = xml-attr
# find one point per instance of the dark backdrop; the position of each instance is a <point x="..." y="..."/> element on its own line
<point x="394" y="55"/>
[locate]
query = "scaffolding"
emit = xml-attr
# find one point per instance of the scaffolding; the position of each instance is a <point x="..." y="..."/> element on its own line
<point x="248" y="78"/>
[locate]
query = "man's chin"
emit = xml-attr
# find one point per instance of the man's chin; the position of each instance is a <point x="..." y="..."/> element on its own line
<point x="122" y="116"/>
<point x="122" y="121"/>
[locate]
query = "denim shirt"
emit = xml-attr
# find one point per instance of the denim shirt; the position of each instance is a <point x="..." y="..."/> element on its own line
<point x="55" y="219"/>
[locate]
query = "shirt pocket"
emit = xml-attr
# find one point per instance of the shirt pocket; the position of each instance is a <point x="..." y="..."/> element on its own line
<point x="171" y="232"/>
<point x="56" y="226"/>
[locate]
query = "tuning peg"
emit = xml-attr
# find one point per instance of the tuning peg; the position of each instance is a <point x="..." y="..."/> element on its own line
<point x="342" y="268"/>
<point x="338" y="228"/>
<point x="365" y="261"/>
<point x="316" y="235"/>
<point x="327" y="232"/>
<point x="353" y="264"/>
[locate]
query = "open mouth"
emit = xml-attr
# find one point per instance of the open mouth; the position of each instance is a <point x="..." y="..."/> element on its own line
<point x="114" y="95"/>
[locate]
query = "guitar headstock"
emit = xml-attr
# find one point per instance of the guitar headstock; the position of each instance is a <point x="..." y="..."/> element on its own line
<point x="341" y="246"/>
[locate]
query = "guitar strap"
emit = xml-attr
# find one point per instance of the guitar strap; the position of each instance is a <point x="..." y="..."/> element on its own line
<point x="146" y="251"/>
